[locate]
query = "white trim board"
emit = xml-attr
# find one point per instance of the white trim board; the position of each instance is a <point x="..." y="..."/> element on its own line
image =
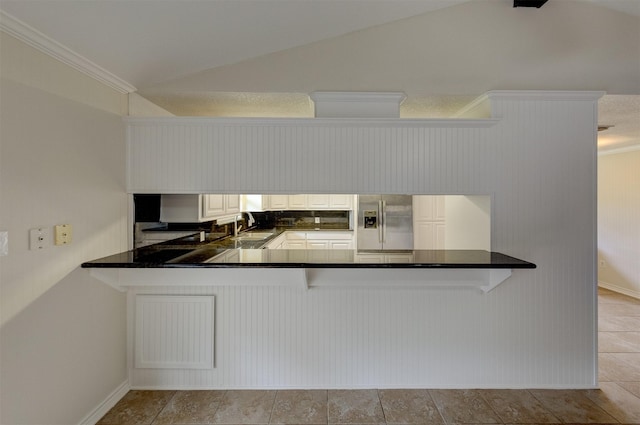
<point x="619" y="289"/>
<point x="96" y="414"/>
<point x="49" y="46"/>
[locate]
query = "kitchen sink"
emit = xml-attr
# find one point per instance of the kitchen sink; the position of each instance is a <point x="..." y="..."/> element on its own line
<point x="253" y="236"/>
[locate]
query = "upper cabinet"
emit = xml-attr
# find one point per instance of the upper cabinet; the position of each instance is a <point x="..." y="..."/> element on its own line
<point x="197" y="208"/>
<point x="297" y="202"/>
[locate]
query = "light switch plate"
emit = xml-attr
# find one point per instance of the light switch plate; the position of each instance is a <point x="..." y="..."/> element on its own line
<point x="38" y="238"/>
<point x="63" y="234"/>
<point x="4" y="243"/>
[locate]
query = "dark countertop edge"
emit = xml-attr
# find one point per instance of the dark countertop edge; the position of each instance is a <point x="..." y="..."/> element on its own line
<point x="307" y="266"/>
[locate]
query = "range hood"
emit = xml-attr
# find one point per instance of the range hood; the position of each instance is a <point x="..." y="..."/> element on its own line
<point x="337" y="104"/>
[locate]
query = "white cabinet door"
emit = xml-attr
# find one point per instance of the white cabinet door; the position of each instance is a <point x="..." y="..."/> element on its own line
<point x="428" y="222"/>
<point x="278" y="202"/>
<point x="370" y="258"/>
<point x="340" y="244"/>
<point x="232" y="204"/>
<point x="297" y="202"/>
<point x="428" y="235"/>
<point x="398" y="258"/>
<point x="294" y="244"/>
<point x="213" y="205"/>
<point x="318" y="201"/>
<point x="317" y="244"/>
<point x="341" y="202"/>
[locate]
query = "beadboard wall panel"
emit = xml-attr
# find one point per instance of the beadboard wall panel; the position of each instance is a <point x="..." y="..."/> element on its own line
<point x="536" y="158"/>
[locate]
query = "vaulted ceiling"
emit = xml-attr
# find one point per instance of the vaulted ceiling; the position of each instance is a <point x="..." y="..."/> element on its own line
<point x="262" y="57"/>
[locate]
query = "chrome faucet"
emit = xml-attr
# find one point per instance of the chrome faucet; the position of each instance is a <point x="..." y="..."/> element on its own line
<point x="236" y="228"/>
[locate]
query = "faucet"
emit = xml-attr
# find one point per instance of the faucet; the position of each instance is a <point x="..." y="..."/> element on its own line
<point x="236" y="228"/>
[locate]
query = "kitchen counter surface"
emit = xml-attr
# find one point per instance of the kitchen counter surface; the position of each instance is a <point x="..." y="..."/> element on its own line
<point x="191" y="252"/>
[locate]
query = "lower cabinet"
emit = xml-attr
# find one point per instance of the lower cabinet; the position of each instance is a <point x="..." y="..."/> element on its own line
<point x="378" y="258"/>
<point x="316" y="240"/>
<point x="174" y="332"/>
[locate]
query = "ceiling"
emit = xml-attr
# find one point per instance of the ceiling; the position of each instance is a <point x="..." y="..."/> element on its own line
<point x="216" y="57"/>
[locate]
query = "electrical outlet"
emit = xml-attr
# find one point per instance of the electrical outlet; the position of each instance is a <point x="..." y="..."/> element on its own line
<point x="38" y="238"/>
<point x="317" y="220"/>
<point x="63" y="234"/>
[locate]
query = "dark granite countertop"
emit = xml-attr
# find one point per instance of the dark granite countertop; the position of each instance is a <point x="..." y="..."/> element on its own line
<point x="191" y="252"/>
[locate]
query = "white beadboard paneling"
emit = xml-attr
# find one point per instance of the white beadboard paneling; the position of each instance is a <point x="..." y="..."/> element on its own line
<point x="537" y="160"/>
<point x="174" y="332"/>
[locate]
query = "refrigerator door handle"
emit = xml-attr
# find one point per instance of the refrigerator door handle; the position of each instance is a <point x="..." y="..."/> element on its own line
<point x="384" y="221"/>
<point x="381" y="222"/>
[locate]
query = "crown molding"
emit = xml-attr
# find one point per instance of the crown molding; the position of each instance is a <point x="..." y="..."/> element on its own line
<point x="47" y="45"/>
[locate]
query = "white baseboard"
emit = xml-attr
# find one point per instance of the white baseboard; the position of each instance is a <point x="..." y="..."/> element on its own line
<point x="619" y="289"/>
<point x="102" y="409"/>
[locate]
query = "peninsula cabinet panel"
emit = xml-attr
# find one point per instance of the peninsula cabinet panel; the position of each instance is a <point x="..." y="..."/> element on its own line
<point x="174" y="332"/>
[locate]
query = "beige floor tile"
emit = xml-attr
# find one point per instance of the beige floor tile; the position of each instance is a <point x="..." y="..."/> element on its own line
<point x="137" y="408"/>
<point x="618" y="342"/>
<point x="245" y="407"/>
<point x="614" y="310"/>
<point x="617" y="401"/>
<point x="572" y="406"/>
<point x="300" y="407"/>
<point x="517" y="406"/>
<point x="409" y="407"/>
<point x="354" y="407"/>
<point x="464" y="406"/>
<point x="622" y="323"/>
<point x="632" y="387"/>
<point x="613" y="367"/>
<point x="190" y="407"/>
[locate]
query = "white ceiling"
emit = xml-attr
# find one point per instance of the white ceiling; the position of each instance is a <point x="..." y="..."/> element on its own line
<point x="147" y="43"/>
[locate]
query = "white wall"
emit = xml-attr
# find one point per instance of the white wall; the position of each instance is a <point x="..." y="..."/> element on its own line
<point x="62" y="153"/>
<point x="619" y="222"/>
<point x="537" y="161"/>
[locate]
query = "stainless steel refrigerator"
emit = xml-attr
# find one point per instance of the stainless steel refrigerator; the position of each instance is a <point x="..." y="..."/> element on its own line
<point x="385" y="222"/>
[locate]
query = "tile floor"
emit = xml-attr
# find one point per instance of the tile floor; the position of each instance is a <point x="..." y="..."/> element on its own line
<point x="618" y="400"/>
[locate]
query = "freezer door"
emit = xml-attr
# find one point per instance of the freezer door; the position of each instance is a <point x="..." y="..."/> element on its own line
<point x="369" y="222"/>
<point x="397" y="222"/>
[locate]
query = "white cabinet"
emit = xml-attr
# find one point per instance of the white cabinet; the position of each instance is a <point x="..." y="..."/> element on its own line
<point x="317" y="202"/>
<point x="232" y="204"/>
<point x="197" y="208"/>
<point x="278" y="202"/>
<point x="316" y="240"/>
<point x="213" y="205"/>
<point x="429" y="222"/>
<point x="379" y="258"/>
<point x="318" y="244"/>
<point x="341" y="202"/>
<point x="297" y="202"/>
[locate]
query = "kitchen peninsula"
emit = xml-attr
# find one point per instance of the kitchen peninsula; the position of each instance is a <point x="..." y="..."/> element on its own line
<point x="527" y="150"/>
<point x="188" y="303"/>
